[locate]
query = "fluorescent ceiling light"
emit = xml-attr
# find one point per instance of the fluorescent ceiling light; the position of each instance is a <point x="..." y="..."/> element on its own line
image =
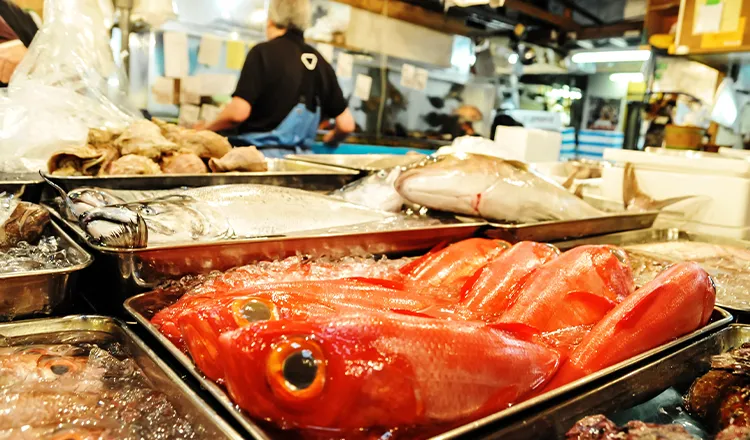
<point x="626" y="77"/>
<point x="513" y="58"/>
<point x="611" y="56"/>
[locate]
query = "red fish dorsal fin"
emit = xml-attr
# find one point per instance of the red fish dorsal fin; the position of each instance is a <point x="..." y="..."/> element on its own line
<point x="388" y="284"/>
<point x="590" y="301"/>
<point x="519" y="331"/>
<point x="466" y="288"/>
<point x="640" y="308"/>
<point x="413" y="265"/>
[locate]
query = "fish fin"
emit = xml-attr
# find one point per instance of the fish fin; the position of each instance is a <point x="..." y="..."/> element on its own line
<point x="520" y="331"/>
<point x="631" y="191"/>
<point x="411" y="266"/>
<point x="388" y="284"/>
<point x="658" y="205"/>
<point x="591" y="301"/>
<point x="639" y="309"/>
<point x="466" y="288"/>
<point x="568" y="184"/>
<point x="411" y="313"/>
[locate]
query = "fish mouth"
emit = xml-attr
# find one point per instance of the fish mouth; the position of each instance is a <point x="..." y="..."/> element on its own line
<point x="115" y="226"/>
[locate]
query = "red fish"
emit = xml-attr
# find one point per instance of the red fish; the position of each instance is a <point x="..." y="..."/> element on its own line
<point x="453" y="265"/>
<point x="201" y="325"/>
<point x="349" y="292"/>
<point x="379" y="370"/>
<point x="575" y="289"/>
<point x="678" y="301"/>
<point x="493" y="288"/>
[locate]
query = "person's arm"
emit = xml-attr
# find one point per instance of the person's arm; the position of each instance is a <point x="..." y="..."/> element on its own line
<point x="235" y="113"/>
<point x="11" y="54"/>
<point x="344" y="127"/>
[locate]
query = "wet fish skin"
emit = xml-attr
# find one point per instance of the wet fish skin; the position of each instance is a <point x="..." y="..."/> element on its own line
<point x="357" y="293"/>
<point x="677" y="302"/>
<point x="491" y="188"/>
<point x="493" y="288"/>
<point x="376" y="191"/>
<point x="202" y="324"/>
<point x="441" y="371"/>
<point x="577" y="288"/>
<point x="450" y="267"/>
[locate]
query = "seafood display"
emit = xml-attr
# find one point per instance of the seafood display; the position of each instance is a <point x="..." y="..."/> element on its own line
<point x="460" y="333"/>
<point x="20" y="221"/>
<point x="150" y="148"/>
<point x="376" y="191"/>
<point x="717" y="402"/>
<point x="124" y="219"/>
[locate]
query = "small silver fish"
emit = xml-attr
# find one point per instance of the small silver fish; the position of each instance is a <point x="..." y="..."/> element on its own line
<point x="491" y="188"/>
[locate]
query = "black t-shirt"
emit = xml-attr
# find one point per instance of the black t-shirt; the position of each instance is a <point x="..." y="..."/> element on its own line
<point x="272" y="78"/>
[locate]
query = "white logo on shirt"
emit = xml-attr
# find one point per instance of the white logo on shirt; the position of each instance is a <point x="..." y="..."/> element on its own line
<point x="310" y="60"/>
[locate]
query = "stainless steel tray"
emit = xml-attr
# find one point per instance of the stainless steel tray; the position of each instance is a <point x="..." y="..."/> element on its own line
<point x="29" y="185"/>
<point x="129" y="272"/>
<point x="681" y="367"/>
<point x="144" y="306"/>
<point x="281" y="172"/>
<point x="668" y="235"/>
<point x="42" y="292"/>
<point x="359" y="162"/>
<point x="562" y="230"/>
<point x="99" y="329"/>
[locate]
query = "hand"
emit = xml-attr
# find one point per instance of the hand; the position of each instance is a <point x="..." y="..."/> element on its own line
<point x="11" y="54"/>
<point x="329" y="138"/>
<point x="200" y="125"/>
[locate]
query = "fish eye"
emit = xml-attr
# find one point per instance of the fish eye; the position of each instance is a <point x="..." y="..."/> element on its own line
<point x="296" y="370"/>
<point x="300" y="370"/>
<point x="57" y="365"/>
<point x="251" y="310"/>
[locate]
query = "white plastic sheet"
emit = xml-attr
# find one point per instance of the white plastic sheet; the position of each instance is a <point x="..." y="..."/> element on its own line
<point x="66" y="84"/>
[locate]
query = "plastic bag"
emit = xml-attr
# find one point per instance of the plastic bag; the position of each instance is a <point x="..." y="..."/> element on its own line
<point x="66" y="84"/>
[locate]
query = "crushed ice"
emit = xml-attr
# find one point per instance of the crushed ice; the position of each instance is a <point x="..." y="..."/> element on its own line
<point x="46" y="255"/>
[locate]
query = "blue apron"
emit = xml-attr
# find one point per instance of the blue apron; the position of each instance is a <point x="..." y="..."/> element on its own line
<point x="296" y="133"/>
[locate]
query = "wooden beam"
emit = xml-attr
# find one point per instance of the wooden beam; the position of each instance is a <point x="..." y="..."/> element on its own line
<point x="609" y="30"/>
<point x="560" y="21"/>
<point x="412" y="14"/>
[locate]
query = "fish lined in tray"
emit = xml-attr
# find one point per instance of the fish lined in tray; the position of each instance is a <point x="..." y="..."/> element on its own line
<point x="83" y="391"/>
<point x="327" y="355"/>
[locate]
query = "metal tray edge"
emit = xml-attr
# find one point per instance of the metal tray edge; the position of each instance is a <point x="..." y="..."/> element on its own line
<point x="516" y="227"/>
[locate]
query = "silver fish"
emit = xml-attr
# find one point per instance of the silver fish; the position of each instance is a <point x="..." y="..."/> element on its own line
<point x="221" y="212"/>
<point x="375" y="191"/>
<point x="491" y="188"/>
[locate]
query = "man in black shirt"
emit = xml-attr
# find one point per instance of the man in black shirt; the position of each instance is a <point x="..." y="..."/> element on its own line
<point x="284" y="90"/>
<point x="17" y="29"/>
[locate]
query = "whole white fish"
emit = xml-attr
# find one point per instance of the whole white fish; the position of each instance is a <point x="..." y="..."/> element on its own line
<point x="491" y="188"/>
<point x="376" y="191"/>
<point x="221" y="212"/>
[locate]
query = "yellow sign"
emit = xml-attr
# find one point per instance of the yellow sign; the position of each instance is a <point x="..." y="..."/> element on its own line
<point x="724" y="39"/>
<point x="236" y="54"/>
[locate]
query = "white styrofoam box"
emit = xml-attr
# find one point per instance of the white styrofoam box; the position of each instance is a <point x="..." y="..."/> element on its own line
<point x="726" y="197"/>
<point x="529" y="145"/>
<point x="692" y="162"/>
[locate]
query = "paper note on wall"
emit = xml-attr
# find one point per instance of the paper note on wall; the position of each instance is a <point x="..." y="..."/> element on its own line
<point x="210" y="112"/>
<point x="420" y="79"/>
<point x="190" y="90"/>
<point x="363" y="87"/>
<point x="708" y="19"/>
<point x="209" y="51"/>
<point x="176" y="63"/>
<point x="344" y="65"/>
<point x="212" y="84"/>
<point x="189" y="115"/>
<point x="408" y="72"/>
<point x="236" y="52"/>
<point x="163" y="90"/>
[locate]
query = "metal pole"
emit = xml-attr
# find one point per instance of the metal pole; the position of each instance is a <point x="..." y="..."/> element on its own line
<point x="125" y="7"/>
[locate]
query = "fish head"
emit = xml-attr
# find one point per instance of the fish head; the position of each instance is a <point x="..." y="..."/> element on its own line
<point x="85" y="199"/>
<point x="115" y="226"/>
<point x="292" y="372"/>
<point x="455" y="180"/>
